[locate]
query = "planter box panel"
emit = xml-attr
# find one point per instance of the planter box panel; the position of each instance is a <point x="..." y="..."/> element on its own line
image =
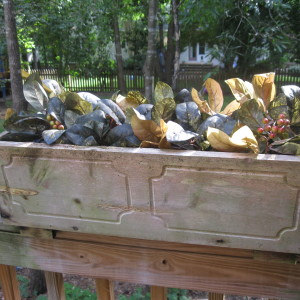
<point x="208" y="198"/>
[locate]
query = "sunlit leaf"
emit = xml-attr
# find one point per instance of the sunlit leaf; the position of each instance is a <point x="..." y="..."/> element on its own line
<point x="89" y="97"/>
<point x="177" y="135"/>
<point x="242" y="139"/>
<point x="264" y="87"/>
<point x="241" y="90"/>
<point x="202" y="104"/>
<point x="279" y="106"/>
<point x="163" y="109"/>
<point x="231" y="107"/>
<point x="9" y="112"/>
<point x="34" y="93"/>
<point x="52" y="135"/>
<point x="52" y="86"/>
<point x="115" y="109"/>
<point x="74" y="102"/>
<point x="162" y="91"/>
<point x="215" y="94"/>
<point x="145" y="130"/>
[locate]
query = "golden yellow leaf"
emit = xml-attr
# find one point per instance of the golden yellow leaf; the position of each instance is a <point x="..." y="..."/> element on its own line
<point x="241" y="90"/>
<point x="264" y="87"/>
<point x="24" y="74"/>
<point x="242" y="139"/>
<point x="147" y="130"/>
<point x="215" y="94"/>
<point x="202" y="104"/>
<point x="231" y="107"/>
<point x="126" y="102"/>
<point x="9" y="112"/>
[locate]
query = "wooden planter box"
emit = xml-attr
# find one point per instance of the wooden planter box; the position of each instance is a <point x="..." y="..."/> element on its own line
<point x="207" y="198"/>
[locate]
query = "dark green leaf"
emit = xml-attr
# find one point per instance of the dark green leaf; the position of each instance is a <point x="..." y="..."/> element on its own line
<point x="250" y="114"/>
<point x="19" y="137"/>
<point x="162" y="91"/>
<point x="78" y="133"/>
<point x="122" y="136"/>
<point x="145" y="110"/>
<point x="27" y="124"/>
<point x="219" y="121"/>
<point x="163" y="109"/>
<point x="115" y="108"/>
<point x="279" y="106"/>
<point x="89" y="97"/>
<point x="289" y="146"/>
<point x="34" y="93"/>
<point x="177" y="135"/>
<point x="183" y="96"/>
<point x="70" y="118"/>
<point x="188" y="115"/>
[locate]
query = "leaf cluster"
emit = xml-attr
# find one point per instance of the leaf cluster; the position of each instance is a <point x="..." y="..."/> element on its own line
<point x="196" y="120"/>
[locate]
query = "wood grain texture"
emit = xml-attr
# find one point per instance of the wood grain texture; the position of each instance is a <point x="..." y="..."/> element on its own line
<point x="104" y="289"/>
<point x="169" y="268"/>
<point x="55" y="286"/>
<point x="158" y="292"/>
<point x="215" y="296"/>
<point x="192" y="197"/>
<point x="10" y="285"/>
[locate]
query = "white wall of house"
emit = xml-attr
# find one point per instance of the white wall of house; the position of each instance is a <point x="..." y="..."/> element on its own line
<point x="198" y="54"/>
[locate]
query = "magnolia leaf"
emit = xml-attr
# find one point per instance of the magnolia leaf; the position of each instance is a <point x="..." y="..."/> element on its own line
<point x="162" y="91"/>
<point x="89" y="97"/>
<point x="34" y="93"/>
<point x="264" y="87"/>
<point x="137" y="97"/>
<point x="251" y="114"/>
<point x="242" y="139"/>
<point x="163" y="109"/>
<point x="52" y="135"/>
<point x="183" y="96"/>
<point x="19" y="137"/>
<point x="289" y="146"/>
<point x="202" y="104"/>
<point x="70" y="118"/>
<point x="78" y="133"/>
<point x="122" y="135"/>
<point x="215" y="94"/>
<point x="177" y="135"/>
<point x="74" y="102"/>
<point x="221" y="122"/>
<point x="9" y="112"/>
<point x="53" y="86"/>
<point x="126" y="102"/>
<point x="115" y="108"/>
<point x="145" y="110"/>
<point x="188" y="115"/>
<point x="231" y="107"/>
<point x="240" y="89"/>
<point x="56" y="109"/>
<point x="26" y="124"/>
<point x="279" y="106"/>
<point x="145" y="130"/>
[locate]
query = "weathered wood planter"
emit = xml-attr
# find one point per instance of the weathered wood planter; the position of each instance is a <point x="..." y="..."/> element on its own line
<point x="205" y="198"/>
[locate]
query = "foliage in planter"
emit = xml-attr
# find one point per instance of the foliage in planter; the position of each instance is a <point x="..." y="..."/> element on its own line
<point x="257" y="120"/>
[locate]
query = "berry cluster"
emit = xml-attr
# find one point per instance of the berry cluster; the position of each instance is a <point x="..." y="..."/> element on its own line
<point x="55" y="124"/>
<point x="273" y="128"/>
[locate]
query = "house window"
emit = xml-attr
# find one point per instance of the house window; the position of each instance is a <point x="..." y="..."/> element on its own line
<point x="201" y="49"/>
<point x="193" y="52"/>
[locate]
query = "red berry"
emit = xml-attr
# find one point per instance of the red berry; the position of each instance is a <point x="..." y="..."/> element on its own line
<point x="281" y="129"/>
<point x="272" y="135"/>
<point x="260" y="130"/>
<point x="280" y="121"/>
<point x="60" y="127"/>
<point x="281" y="116"/>
<point x="54" y="126"/>
<point x="268" y="128"/>
<point x="265" y="120"/>
<point x="57" y="123"/>
<point x="52" y="123"/>
<point x="274" y="129"/>
<point x="287" y="122"/>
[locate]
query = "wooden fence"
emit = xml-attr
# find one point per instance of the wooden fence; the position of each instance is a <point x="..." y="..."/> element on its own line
<point x="188" y="77"/>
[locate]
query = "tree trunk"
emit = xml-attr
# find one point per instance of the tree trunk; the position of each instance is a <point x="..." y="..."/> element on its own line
<point x="120" y="69"/>
<point x="170" y="53"/>
<point x="151" y="53"/>
<point x="19" y="102"/>
<point x="175" y="5"/>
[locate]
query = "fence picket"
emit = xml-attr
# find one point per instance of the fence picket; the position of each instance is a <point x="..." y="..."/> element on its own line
<point x="188" y="76"/>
